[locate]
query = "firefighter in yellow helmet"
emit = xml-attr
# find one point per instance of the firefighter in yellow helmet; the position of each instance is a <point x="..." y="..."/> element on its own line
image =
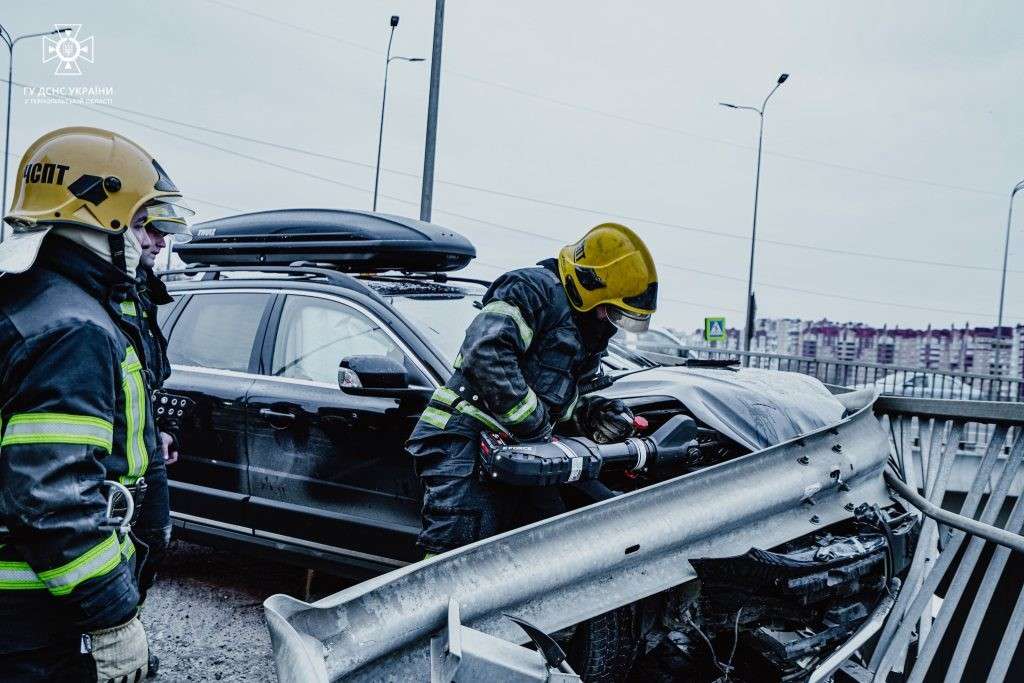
<point x="538" y="339"/>
<point x="74" y="402"/>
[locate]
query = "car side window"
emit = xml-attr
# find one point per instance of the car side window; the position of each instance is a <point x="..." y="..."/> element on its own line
<point x="164" y="310"/>
<point x="316" y="334"/>
<point x="217" y="330"/>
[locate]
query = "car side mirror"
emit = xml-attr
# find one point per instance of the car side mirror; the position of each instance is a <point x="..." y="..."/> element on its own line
<point x="371" y="372"/>
<point x="377" y="376"/>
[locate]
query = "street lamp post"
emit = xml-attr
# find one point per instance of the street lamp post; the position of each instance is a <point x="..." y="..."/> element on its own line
<point x="384" y="101"/>
<point x="1002" y="287"/>
<point x="749" y="324"/>
<point x="433" y="98"/>
<point x="10" y="42"/>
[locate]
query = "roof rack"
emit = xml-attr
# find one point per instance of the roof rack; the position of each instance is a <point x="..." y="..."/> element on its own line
<point x="332" y="276"/>
<point x="441" y="278"/>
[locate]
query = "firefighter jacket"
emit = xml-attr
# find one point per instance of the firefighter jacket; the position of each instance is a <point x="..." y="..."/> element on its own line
<point x="153" y="293"/>
<point x="75" y="411"/>
<point x="521" y="363"/>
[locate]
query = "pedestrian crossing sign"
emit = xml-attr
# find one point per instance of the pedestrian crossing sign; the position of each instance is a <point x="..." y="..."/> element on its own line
<point x="714" y="329"/>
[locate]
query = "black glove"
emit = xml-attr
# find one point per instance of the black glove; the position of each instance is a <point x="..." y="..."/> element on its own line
<point x="542" y="433"/>
<point x="605" y="420"/>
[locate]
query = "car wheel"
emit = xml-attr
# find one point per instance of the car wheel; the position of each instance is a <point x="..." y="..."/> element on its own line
<point x="604" y="648"/>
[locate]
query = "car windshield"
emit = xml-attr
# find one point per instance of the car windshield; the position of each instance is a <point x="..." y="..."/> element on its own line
<point x="443" y="317"/>
<point x="620" y="358"/>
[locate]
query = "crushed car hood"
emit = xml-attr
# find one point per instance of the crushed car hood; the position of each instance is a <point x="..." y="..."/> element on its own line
<point x="753" y="407"/>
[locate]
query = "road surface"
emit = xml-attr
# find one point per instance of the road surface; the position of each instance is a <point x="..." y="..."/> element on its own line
<point x="205" y="615"/>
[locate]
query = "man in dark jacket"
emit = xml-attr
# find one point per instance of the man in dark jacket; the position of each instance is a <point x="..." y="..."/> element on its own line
<point x="153" y="229"/>
<point x="540" y="334"/>
<point x="153" y="525"/>
<point x="74" y="402"/>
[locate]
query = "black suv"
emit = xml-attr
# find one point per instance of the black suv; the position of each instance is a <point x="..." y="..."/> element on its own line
<point x="274" y="454"/>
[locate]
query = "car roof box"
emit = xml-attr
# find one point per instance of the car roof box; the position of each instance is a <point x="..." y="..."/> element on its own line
<point x="357" y="241"/>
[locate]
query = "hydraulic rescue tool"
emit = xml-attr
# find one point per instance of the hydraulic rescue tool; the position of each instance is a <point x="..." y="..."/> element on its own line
<point x="564" y="460"/>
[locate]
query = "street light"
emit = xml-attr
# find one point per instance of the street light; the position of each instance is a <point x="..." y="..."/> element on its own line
<point x="384" y="101"/>
<point x="749" y="325"/>
<point x="10" y="42"/>
<point x="1006" y="252"/>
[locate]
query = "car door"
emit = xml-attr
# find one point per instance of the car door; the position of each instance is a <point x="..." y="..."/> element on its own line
<point x="212" y="345"/>
<point x="327" y="467"/>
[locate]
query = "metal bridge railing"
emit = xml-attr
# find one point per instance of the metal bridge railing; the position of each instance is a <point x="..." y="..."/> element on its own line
<point x="890" y="380"/>
<point x="947" y="617"/>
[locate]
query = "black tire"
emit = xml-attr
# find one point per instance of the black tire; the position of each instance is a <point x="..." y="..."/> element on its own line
<point x="604" y="648"/>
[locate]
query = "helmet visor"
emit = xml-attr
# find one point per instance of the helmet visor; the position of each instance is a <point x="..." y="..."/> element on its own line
<point x="647" y="300"/>
<point x="629" y="322"/>
<point x="170" y="215"/>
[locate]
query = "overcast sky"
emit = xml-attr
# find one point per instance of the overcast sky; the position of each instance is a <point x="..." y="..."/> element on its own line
<point x="897" y="135"/>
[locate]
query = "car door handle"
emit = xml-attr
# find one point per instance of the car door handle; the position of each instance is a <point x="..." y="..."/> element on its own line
<point x="275" y="415"/>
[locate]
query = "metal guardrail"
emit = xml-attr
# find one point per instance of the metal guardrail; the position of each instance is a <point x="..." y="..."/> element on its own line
<point x="935" y="624"/>
<point x="554" y="574"/>
<point x="890" y="380"/>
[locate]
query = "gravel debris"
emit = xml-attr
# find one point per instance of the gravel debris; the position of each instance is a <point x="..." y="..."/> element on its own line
<point x="205" y="617"/>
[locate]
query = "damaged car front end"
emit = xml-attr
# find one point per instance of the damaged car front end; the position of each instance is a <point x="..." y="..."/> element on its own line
<point x="779" y="615"/>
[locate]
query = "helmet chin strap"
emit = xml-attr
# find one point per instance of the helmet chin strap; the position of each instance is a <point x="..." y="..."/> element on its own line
<point x="117" y="258"/>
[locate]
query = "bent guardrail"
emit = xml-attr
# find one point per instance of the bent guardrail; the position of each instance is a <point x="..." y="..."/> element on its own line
<point x="564" y="570"/>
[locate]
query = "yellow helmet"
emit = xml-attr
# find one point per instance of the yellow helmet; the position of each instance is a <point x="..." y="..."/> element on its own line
<point x="611" y="265"/>
<point x="89" y="178"/>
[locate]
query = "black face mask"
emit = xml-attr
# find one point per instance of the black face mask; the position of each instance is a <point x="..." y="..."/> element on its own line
<point x="595" y="331"/>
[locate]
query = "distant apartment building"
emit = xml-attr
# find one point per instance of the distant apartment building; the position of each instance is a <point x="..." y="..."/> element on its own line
<point x="955" y="349"/>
